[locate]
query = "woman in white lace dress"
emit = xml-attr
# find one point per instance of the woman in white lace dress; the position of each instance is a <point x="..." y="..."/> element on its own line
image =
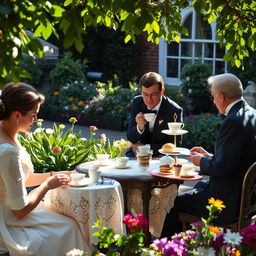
<point x="26" y="226"/>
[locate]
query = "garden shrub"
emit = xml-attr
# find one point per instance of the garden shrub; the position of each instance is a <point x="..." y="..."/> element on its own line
<point x="194" y="78"/>
<point x="202" y="131"/>
<point x="33" y="69"/>
<point x="67" y="70"/>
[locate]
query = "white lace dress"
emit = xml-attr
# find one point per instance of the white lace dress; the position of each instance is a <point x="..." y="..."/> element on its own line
<point x="42" y="232"/>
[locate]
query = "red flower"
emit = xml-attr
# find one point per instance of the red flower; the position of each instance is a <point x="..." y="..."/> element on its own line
<point x="56" y="150"/>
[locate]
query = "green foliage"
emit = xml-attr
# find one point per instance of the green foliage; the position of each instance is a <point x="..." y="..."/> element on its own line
<point x="248" y="73"/>
<point x="158" y="19"/>
<point x="33" y="69"/>
<point x="235" y="22"/>
<point x="202" y="131"/>
<point x="66" y="71"/>
<point x="194" y="78"/>
<point x="57" y="150"/>
<point x="107" y="52"/>
<point x="92" y="99"/>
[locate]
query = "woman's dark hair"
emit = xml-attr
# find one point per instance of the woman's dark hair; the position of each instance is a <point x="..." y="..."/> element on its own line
<point x="18" y="97"/>
<point x="151" y="78"/>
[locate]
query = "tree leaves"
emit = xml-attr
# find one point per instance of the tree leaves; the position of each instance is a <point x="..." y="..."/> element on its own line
<point x="156" y="18"/>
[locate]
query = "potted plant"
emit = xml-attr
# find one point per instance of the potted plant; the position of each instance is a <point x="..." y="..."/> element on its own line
<point x="194" y="85"/>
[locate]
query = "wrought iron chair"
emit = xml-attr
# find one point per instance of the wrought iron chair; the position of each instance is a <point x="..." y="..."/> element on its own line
<point x="247" y="211"/>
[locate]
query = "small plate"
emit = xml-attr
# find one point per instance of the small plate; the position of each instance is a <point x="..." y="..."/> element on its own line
<point x="119" y="167"/>
<point x="190" y="175"/>
<point x="178" y="151"/>
<point x="82" y="183"/>
<point x="171" y="132"/>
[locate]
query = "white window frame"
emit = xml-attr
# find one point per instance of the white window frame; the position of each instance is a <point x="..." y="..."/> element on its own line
<point x="163" y="49"/>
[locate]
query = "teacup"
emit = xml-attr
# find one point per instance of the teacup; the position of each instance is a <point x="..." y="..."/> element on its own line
<point x="187" y="169"/>
<point x="103" y="158"/>
<point x="121" y="162"/>
<point x="149" y="116"/>
<point x="175" y="126"/>
<point x="94" y="173"/>
<point x="77" y="177"/>
<point x="144" y="149"/>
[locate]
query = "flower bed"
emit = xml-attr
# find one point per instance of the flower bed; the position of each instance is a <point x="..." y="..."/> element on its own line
<point x="203" y="239"/>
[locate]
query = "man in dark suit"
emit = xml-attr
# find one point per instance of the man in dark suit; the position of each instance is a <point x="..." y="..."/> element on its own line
<point x="151" y="100"/>
<point x="235" y="152"/>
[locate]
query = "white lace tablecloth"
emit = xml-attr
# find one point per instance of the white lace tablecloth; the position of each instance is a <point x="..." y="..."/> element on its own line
<point x="162" y="199"/>
<point x="88" y="204"/>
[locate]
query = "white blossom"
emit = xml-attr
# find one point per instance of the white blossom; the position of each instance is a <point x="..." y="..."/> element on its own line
<point x="49" y="131"/>
<point x="233" y="238"/>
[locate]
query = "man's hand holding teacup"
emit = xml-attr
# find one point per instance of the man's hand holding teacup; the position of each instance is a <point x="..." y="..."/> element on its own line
<point x="141" y="121"/>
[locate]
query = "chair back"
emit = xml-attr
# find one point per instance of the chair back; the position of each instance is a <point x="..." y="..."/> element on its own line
<point x="247" y="211"/>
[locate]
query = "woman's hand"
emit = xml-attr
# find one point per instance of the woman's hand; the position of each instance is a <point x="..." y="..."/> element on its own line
<point x="57" y="180"/>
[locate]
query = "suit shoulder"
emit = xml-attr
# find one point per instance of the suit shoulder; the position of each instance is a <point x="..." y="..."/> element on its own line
<point x="137" y="99"/>
<point x="169" y="102"/>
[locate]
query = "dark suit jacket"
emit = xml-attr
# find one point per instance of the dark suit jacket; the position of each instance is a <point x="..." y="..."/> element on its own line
<point x="235" y="151"/>
<point x="165" y="115"/>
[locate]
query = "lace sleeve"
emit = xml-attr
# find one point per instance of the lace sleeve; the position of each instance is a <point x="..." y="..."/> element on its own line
<point x="13" y="178"/>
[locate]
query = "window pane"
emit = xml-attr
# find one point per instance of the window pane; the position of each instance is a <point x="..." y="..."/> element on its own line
<point x="198" y="50"/>
<point x="188" y="25"/>
<point x="173" y="49"/>
<point x="186" y="49"/>
<point x="183" y="62"/>
<point x="219" y="67"/>
<point x="208" y="50"/>
<point x="203" y="29"/>
<point x="219" y="51"/>
<point x="172" y="68"/>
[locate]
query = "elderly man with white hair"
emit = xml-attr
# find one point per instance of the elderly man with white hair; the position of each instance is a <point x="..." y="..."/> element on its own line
<point x="234" y="153"/>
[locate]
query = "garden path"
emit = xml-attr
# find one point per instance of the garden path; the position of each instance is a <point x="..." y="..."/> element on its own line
<point x="112" y="135"/>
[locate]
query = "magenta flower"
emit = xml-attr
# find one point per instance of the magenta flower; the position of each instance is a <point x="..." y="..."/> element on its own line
<point x="249" y="235"/>
<point x="136" y="223"/>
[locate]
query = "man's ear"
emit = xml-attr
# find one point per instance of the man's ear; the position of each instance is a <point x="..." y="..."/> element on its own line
<point x="162" y="91"/>
<point x="222" y="96"/>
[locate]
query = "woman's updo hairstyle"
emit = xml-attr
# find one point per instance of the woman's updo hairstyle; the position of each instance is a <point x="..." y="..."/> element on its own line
<point x="18" y="97"/>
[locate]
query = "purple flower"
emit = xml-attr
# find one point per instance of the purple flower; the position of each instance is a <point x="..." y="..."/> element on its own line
<point x="197" y="224"/>
<point x="249" y="235"/>
<point x="218" y="242"/>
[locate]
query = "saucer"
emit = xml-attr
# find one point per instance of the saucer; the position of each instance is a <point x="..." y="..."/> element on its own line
<point x="122" y="167"/>
<point x="174" y="132"/>
<point x="82" y="183"/>
<point x="189" y="175"/>
<point x="164" y="173"/>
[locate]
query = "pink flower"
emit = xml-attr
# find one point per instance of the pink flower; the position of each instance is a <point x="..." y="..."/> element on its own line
<point x="127" y="218"/>
<point x="93" y="128"/>
<point x="103" y="138"/>
<point x="56" y="150"/>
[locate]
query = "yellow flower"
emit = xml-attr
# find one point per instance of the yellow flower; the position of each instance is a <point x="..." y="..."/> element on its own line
<point x="215" y="230"/>
<point x="62" y="126"/>
<point x="75" y="108"/>
<point x="56" y="93"/>
<point x="217" y="203"/>
<point x="70" y="99"/>
<point x="72" y="120"/>
<point x="80" y="103"/>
